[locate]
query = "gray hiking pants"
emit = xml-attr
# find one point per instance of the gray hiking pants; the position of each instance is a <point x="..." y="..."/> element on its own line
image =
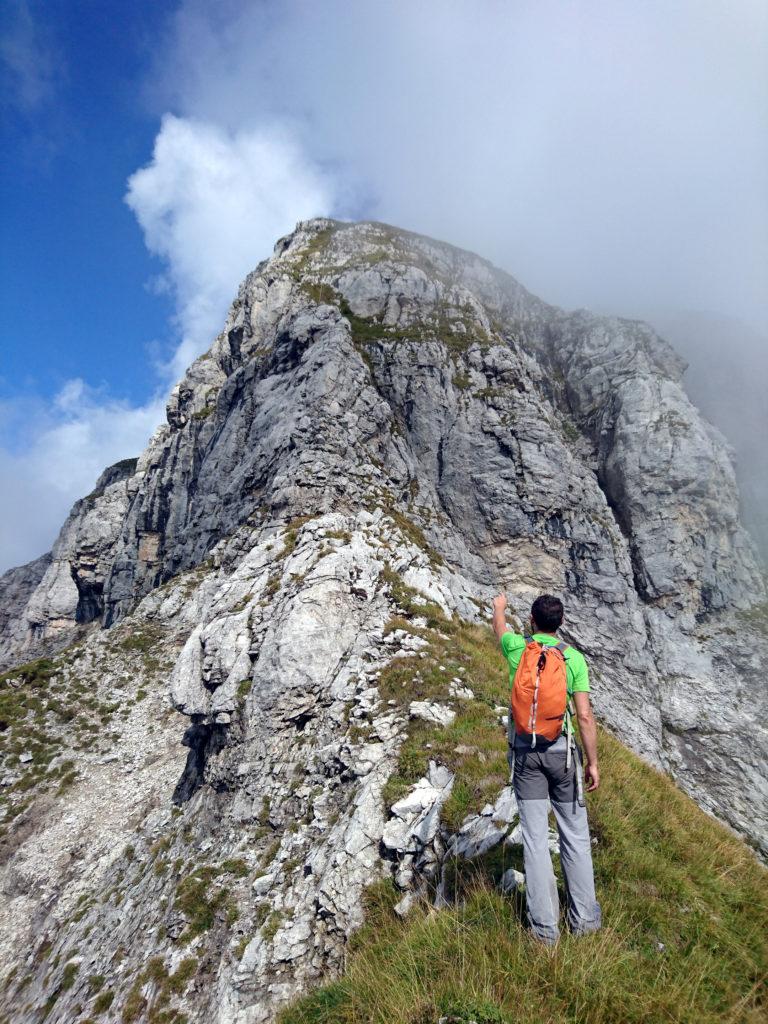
<point x="540" y="775"/>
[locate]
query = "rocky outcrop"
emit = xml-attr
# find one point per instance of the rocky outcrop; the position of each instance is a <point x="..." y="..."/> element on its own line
<point x="387" y="431"/>
<point x="58" y="592"/>
<point x="665" y="471"/>
<point x="16" y="588"/>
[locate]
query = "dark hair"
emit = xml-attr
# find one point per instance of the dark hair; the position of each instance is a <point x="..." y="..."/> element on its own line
<point x="547" y="613"/>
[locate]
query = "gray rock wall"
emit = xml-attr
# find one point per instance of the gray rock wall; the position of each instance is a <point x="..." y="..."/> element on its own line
<point x="377" y="403"/>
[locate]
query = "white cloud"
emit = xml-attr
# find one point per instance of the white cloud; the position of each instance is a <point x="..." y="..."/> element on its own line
<point x="65" y="447"/>
<point x="211" y="204"/>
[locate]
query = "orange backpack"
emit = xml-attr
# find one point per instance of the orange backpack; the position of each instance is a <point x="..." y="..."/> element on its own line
<point x="539" y="691"/>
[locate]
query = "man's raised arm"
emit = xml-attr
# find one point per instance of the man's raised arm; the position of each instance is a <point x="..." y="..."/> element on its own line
<point x="499" y="621"/>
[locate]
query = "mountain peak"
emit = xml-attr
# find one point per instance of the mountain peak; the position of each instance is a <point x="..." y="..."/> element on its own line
<point x="387" y="431"/>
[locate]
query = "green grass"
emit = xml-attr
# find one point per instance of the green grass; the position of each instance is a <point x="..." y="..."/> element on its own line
<point x="69" y="975"/>
<point x="321" y="293"/>
<point x="460" y="650"/>
<point x="183" y="974"/>
<point x="665" y="873"/>
<point x="134" y="1005"/>
<point x="38" y="702"/>
<point x="34" y="673"/>
<point x="571" y="432"/>
<point x="103" y="1001"/>
<point x="685" y="903"/>
<point x="202" y="903"/>
<point x="413" y="533"/>
<point x="142" y="639"/>
<point x="316" y="246"/>
<point x="273" y="922"/>
<point x="409" y="601"/>
<point x="455" y="329"/>
<point x="236" y="867"/>
<point x="291" y="534"/>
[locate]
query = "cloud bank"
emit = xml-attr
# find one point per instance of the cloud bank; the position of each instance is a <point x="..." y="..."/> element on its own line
<point x="610" y="155"/>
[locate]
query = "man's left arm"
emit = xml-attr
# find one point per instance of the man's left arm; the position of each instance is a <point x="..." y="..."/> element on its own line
<point x="586" y="720"/>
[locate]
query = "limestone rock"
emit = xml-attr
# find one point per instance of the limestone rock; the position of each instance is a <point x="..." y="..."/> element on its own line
<point x="416" y="817"/>
<point x="429" y="711"/>
<point x="386" y="431"/>
<point x="512" y="880"/>
<point x="68" y="583"/>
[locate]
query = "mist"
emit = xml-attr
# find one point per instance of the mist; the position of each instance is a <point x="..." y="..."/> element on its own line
<point x="726" y="378"/>
<point x="611" y="156"/>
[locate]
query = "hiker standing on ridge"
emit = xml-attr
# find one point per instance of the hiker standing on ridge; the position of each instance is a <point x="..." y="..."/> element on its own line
<point x="548" y="677"/>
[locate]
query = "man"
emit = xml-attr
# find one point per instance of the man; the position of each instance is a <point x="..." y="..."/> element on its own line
<point x="541" y="771"/>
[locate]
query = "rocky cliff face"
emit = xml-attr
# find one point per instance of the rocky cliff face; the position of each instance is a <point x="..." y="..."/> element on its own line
<point x="387" y="431"/>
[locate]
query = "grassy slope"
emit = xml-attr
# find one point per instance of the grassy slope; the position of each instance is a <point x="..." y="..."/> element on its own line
<point x="685" y="904"/>
<point x="54" y="707"/>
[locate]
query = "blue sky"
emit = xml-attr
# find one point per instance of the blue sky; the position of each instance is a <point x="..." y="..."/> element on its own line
<point x="74" y="265"/>
<point x="610" y="155"/>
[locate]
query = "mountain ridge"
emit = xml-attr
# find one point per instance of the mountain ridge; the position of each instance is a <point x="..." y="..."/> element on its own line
<point x="386" y="431"/>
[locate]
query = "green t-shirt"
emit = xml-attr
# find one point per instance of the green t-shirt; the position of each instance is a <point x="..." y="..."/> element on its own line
<point x="576" y="671"/>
